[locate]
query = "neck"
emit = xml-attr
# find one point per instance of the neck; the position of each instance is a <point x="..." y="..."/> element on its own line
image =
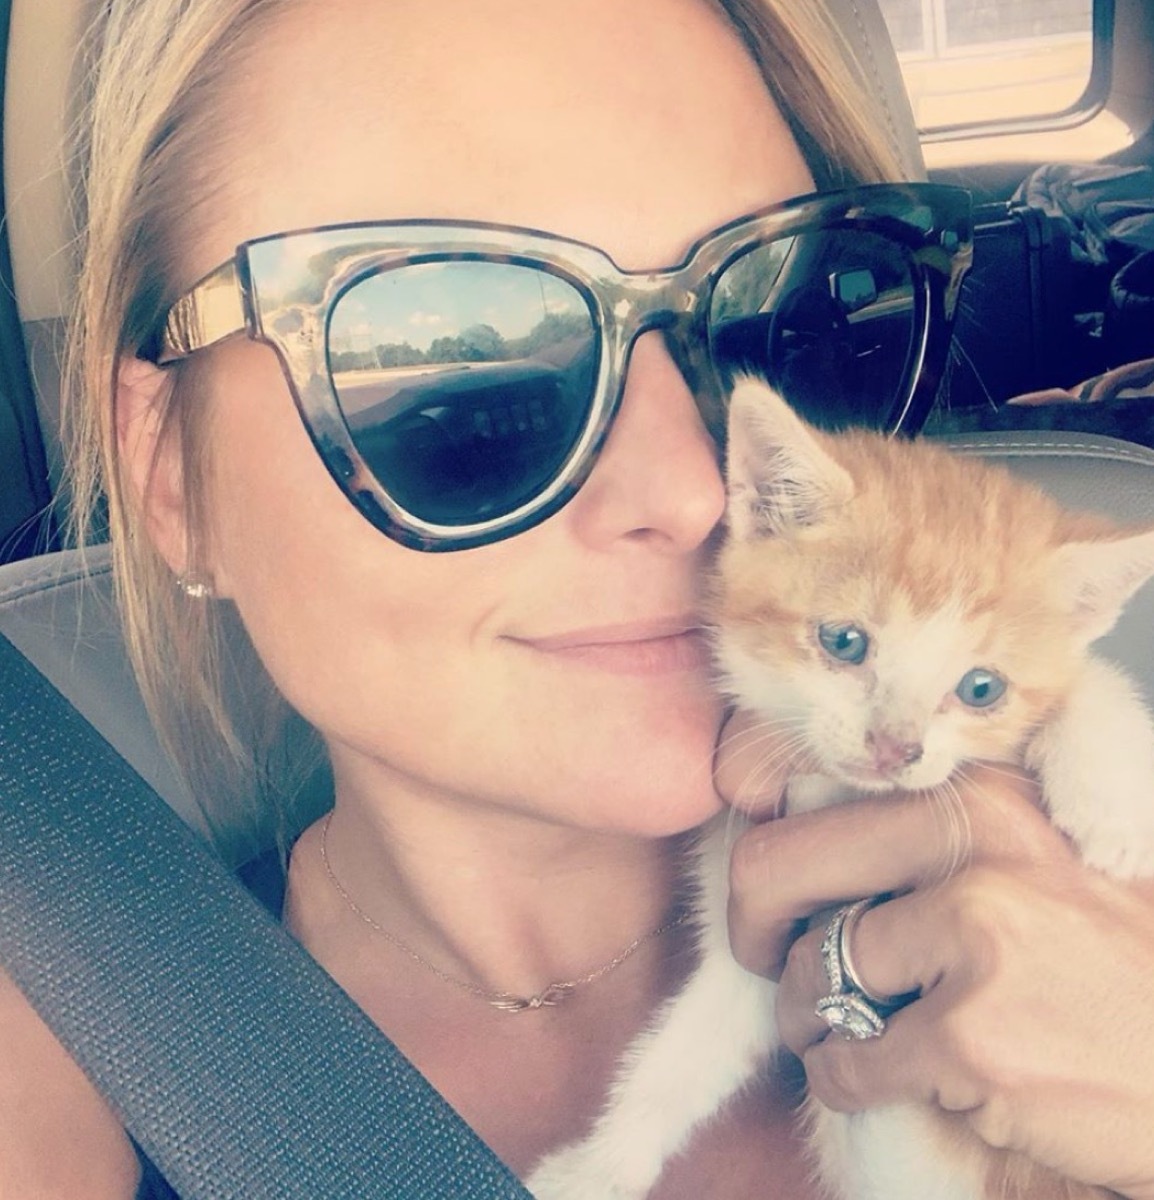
<point x="503" y="900"/>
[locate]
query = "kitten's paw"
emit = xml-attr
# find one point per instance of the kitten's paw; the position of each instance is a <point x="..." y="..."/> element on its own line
<point x="1096" y="763"/>
<point x="1124" y="854"/>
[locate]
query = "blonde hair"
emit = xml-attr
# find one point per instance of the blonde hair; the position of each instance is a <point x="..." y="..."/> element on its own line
<point x="148" y="143"/>
<point x="152" y="70"/>
<point x="832" y="102"/>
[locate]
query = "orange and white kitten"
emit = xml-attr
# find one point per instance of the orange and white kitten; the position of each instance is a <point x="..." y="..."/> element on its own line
<point x="896" y="612"/>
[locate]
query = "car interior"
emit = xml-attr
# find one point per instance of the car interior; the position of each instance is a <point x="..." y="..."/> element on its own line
<point x="231" y="1057"/>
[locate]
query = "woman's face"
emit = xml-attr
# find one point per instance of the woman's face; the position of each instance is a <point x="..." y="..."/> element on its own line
<point x="551" y="674"/>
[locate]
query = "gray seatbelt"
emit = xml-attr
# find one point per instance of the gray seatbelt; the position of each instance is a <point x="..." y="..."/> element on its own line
<point x="230" y="1056"/>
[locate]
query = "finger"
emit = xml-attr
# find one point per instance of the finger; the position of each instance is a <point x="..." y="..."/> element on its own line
<point x="889" y="962"/>
<point x="954" y="936"/>
<point x="913" y="1061"/>
<point x="783" y="871"/>
<point x="753" y="762"/>
<point x="803" y="982"/>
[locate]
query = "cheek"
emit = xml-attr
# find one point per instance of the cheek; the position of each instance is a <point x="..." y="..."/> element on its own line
<point x="766" y="666"/>
<point x="339" y="614"/>
<point x="999" y="733"/>
<point x="825" y="707"/>
<point x="959" y="734"/>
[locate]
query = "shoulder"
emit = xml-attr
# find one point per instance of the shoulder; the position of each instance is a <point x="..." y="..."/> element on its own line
<point x="60" y="1138"/>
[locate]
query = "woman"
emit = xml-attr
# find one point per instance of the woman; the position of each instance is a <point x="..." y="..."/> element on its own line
<point x="519" y="730"/>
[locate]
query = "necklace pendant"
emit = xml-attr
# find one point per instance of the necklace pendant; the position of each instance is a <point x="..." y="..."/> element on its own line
<point x="548" y="997"/>
<point x="551" y="996"/>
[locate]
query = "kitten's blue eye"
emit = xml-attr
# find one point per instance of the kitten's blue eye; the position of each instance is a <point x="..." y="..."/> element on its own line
<point x="979" y="688"/>
<point x="846" y="643"/>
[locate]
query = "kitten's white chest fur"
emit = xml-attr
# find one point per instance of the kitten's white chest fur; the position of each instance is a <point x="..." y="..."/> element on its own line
<point x="707" y="1041"/>
<point x="880" y="718"/>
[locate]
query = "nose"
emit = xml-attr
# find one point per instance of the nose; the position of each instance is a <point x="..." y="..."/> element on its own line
<point x="658" y="479"/>
<point x="891" y="751"/>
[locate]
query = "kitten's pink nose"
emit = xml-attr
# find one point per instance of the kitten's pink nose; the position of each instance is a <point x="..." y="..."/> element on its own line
<point x="890" y="752"/>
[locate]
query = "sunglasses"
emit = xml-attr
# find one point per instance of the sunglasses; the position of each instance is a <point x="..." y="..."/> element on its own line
<point x="459" y="379"/>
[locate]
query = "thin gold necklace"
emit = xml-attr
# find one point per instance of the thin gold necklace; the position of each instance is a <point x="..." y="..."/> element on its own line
<point x="548" y="997"/>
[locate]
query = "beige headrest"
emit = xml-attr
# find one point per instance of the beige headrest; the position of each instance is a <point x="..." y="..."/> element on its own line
<point x="42" y="50"/>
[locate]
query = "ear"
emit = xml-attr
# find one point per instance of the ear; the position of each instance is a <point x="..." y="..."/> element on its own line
<point x="1097" y="579"/>
<point x="152" y="464"/>
<point x="778" y="475"/>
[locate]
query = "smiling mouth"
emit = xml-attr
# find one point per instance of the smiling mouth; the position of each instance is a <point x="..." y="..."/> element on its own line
<point x="648" y="648"/>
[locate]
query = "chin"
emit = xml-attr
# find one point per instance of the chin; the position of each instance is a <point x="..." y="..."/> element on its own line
<point x="645" y="800"/>
<point x="665" y="805"/>
<point x="625" y="763"/>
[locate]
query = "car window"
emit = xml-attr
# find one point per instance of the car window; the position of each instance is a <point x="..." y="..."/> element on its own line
<point x="970" y="62"/>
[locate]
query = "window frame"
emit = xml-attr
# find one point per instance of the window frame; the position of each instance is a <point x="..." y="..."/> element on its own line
<point x="1084" y="108"/>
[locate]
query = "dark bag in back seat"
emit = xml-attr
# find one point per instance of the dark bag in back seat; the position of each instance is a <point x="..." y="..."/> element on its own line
<point x="1108" y="212"/>
<point x="1062" y="288"/>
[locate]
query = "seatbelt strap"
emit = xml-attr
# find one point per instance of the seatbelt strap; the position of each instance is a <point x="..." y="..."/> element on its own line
<point x="230" y="1056"/>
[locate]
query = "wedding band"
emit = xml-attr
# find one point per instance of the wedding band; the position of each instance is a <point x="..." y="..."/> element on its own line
<point x="848" y="1011"/>
<point x="850" y="976"/>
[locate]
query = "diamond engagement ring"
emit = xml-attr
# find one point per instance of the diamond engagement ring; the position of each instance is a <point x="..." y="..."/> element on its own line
<point x="848" y="1009"/>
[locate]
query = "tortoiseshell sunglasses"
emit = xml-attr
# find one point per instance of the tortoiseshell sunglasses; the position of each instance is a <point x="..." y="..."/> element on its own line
<point x="458" y="379"/>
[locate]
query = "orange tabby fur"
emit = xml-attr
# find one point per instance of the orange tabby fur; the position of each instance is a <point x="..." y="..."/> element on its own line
<point x="874" y="560"/>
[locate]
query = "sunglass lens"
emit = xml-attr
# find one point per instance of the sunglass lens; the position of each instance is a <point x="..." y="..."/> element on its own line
<point x="464" y="384"/>
<point x="829" y="319"/>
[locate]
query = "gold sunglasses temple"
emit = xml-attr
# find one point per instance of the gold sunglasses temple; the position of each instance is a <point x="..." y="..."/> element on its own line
<point x="213" y="309"/>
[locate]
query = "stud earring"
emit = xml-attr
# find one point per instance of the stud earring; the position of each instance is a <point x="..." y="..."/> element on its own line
<point x="194" y="587"/>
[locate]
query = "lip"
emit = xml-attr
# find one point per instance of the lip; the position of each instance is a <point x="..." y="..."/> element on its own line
<point x="631" y="648"/>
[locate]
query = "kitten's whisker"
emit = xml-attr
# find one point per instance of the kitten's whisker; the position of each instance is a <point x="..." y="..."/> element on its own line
<point x="768" y="730"/>
<point x="1006" y="770"/>
<point x="783" y="759"/>
<point x="766" y="727"/>
<point x="768" y="769"/>
<point x="959" y="833"/>
<point x="957" y="348"/>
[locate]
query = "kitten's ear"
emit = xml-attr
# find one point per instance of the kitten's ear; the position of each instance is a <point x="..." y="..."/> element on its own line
<point x="778" y="475"/>
<point x="1097" y="579"/>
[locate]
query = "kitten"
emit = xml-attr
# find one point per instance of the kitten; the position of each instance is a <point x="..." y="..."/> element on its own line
<point x="899" y="611"/>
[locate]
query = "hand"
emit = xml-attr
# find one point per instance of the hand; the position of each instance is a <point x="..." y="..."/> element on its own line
<point x="1036" y="974"/>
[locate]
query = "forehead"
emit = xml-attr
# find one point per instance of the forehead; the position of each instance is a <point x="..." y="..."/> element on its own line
<point x="635" y="127"/>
